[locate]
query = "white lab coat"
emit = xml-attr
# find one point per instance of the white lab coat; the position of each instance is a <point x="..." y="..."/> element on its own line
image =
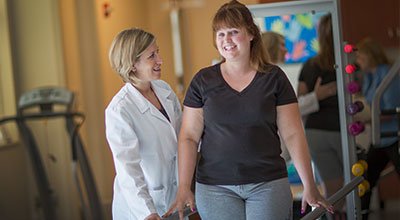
<point x="144" y="147"/>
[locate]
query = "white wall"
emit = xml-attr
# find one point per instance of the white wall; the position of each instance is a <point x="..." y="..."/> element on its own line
<point x="292" y="72"/>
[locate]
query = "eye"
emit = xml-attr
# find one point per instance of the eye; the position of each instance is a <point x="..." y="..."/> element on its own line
<point x="220" y="34"/>
<point x="234" y="32"/>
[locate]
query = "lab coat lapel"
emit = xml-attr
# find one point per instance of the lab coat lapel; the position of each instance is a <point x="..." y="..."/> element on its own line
<point x="141" y="102"/>
<point x="166" y="102"/>
<point x="144" y="105"/>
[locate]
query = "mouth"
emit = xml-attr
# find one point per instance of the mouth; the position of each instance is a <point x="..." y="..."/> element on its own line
<point x="229" y="47"/>
<point x="157" y="69"/>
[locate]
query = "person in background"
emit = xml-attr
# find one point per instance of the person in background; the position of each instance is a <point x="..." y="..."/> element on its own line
<point x="236" y="109"/>
<point x="275" y="45"/>
<point x="375" y="65"/>
<point x="308" y="103"/>
<point x="323" y="127"/>
<point x="142" y="122"/>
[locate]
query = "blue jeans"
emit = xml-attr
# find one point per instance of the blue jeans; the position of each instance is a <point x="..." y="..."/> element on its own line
<point x="266" y="200"/>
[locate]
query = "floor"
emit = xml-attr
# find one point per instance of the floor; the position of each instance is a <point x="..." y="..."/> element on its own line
<point x="390" y="212"/>
<point x="389" y="189"/>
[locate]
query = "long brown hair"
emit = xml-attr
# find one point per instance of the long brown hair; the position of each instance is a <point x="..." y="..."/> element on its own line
<point x="237" y="15"/>
<point x="325" y="58"/>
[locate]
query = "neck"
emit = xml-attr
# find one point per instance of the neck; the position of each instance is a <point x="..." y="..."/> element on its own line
<point x="143" y="87"/>
<point x="237" y="68"/>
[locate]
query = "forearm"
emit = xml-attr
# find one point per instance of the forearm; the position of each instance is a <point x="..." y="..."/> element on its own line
<point x="187" y="154"/>
<point x="297" y="147"/>
<point x="292" y="133"/>
<point x="188" y="141"/>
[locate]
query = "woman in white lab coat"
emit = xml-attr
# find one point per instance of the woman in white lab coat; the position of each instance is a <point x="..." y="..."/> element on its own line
<point x="142" y="121"/>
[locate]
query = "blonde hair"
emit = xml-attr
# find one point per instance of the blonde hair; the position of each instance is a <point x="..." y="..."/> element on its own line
<point x="272" y="41"/>
<point x="235" y="14"/>
<point x="126" y="49"/>
<point x="373" y="51"/>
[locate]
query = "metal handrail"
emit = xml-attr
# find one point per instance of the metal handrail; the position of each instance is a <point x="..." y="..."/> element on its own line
<point x="186" y="213"/>
<point x="316" y="213"/>
<point x="376" y="101"/>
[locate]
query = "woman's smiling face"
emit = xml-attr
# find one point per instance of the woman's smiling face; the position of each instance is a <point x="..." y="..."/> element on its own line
<point x="148" y="66"/>
<point x="233" y="42"/>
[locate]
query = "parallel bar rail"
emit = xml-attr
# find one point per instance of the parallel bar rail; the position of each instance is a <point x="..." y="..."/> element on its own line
<point x="316" y="213"/>
<point x="375" y="106"/>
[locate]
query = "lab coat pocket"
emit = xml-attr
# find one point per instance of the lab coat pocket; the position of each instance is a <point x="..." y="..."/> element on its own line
<point x="158" y="196"/>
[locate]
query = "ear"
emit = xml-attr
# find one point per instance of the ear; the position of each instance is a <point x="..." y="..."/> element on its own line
<point x="133" y="69"/>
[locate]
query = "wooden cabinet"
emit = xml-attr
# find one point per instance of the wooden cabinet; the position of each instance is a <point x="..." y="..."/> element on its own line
<point x="378" y="19"/>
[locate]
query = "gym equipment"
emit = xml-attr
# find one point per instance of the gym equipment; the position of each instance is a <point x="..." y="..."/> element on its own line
<point x="375" y="107"/>
<point x="356" y="128"/>
<point x="46" y="99"/>
<point x="351" y="68"/>
<point x="363" y="188"/>
<point x="354" y="108"/>
<point x="175" y="216"/>
<point x="359" y="168"/>
<point x="349" y="48"/>
<point x="353" y="87"/>
<point x="317" y="212"/>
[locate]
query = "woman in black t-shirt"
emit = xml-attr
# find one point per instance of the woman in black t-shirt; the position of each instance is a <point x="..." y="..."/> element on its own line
<point x="236" y="108"/>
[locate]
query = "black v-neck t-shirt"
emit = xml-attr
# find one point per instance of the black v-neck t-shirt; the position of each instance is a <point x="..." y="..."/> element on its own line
<point x="240" y="144"/>
<point x="162" y="110"/>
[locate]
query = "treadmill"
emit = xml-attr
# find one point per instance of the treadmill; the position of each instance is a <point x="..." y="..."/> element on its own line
<point x="39" y="104"/>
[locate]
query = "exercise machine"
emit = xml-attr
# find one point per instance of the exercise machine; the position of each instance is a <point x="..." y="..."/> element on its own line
<point x="44" y="100"/>
<point x="377" y="112"/>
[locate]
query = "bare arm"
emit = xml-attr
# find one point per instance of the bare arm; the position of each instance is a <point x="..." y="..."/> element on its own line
<point x="292" y="133"/>
<point x="325" y="91"/>
<point x="188" y="141"/>
<point x="189" y="137"/>
<point x="302" y="88"/>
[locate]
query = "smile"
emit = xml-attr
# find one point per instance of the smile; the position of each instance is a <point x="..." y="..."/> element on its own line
<point x="229" y="47"/>
<point x="157" y="69"/>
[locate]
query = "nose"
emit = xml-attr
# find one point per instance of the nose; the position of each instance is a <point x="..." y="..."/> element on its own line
<point x="159" y="59"/>
<point x="228" y="37"/>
